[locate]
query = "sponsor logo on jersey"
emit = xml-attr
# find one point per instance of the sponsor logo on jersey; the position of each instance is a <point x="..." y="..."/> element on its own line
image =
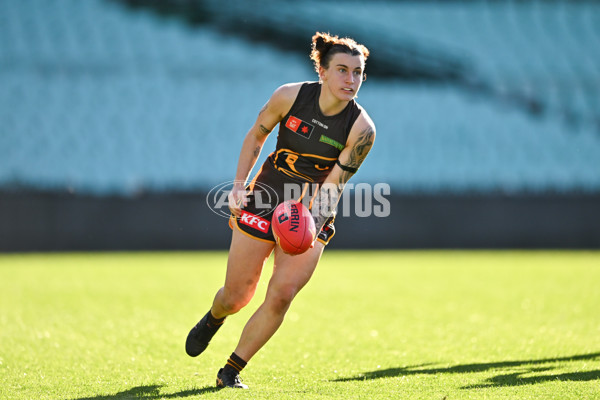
<point x="331" y="142"/>
<point x="322" y="125"/>
<point x="254" y="221"/>
<point x="300" y="127"/>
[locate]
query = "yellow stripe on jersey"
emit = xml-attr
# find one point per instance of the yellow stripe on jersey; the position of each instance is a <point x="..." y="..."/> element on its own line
<point x="292" y="157"/>
<point x="295" y="175"/>
<point x="304" y="155"/>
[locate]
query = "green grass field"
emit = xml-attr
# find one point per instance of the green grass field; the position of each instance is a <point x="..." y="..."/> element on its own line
<point x="370" y="325"/>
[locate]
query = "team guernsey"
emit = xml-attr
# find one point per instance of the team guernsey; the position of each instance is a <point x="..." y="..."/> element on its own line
<point x="309" y="142"/>
<point x="308" y="146"/>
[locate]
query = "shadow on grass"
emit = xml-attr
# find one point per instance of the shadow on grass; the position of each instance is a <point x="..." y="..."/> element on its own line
<point x="511" y="379"/>
<point x="517" y="379"/>
<point x="151" y="392"/>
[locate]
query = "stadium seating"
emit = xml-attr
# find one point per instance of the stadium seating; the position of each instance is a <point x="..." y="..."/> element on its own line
<point x="98" y="99"/>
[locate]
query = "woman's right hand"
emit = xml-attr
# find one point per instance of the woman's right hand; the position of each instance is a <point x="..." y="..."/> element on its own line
<point x="238" y="199"/>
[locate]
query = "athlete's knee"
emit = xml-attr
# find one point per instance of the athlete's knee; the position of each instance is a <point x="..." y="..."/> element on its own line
<point x="232" y="305"/>
<point x="232" y="301"/>
<point x="279" y="298"/>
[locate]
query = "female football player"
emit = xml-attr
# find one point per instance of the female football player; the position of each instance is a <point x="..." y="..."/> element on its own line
<point x="324" y="136"/>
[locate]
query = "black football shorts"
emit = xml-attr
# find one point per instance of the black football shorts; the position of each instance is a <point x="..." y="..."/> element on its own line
<point x="267" y="191"/>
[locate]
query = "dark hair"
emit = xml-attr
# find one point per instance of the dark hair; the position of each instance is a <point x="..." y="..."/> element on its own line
<point x="325" y="46"/>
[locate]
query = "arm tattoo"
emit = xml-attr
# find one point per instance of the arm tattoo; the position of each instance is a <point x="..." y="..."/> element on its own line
<point x="361" y="147"/>
<point x="327" y="198"/>
<point x="264" y="130"/>
<point x="359" y="153"/>
<point x="257" y="151"/>
<point x="263" y="108"/>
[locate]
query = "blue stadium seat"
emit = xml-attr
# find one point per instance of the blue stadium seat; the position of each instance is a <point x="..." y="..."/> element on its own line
<point x="99" y="99"/>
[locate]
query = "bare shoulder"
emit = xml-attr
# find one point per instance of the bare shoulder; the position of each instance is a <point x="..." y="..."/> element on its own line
<point x="289" y="90"/>
<point x="284" y="96"/>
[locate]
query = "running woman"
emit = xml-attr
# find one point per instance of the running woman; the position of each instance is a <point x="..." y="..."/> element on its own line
<point x="324" y="136"/>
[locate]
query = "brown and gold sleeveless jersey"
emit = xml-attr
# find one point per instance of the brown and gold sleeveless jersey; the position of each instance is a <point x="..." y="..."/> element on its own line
<point x="308" y="142"/>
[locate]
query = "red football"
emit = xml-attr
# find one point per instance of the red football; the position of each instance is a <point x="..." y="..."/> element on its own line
<point x="293" y="227"/>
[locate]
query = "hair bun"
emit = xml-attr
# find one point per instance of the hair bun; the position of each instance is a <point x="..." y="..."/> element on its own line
<point x="322" y="42"/>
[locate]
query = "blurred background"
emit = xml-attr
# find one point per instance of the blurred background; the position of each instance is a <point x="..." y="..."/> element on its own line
<point x="118" y="116"/>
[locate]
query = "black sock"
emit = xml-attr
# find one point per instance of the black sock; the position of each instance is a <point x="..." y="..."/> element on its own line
<point x="235" y="363"/>
<point x="214" y="323"/>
